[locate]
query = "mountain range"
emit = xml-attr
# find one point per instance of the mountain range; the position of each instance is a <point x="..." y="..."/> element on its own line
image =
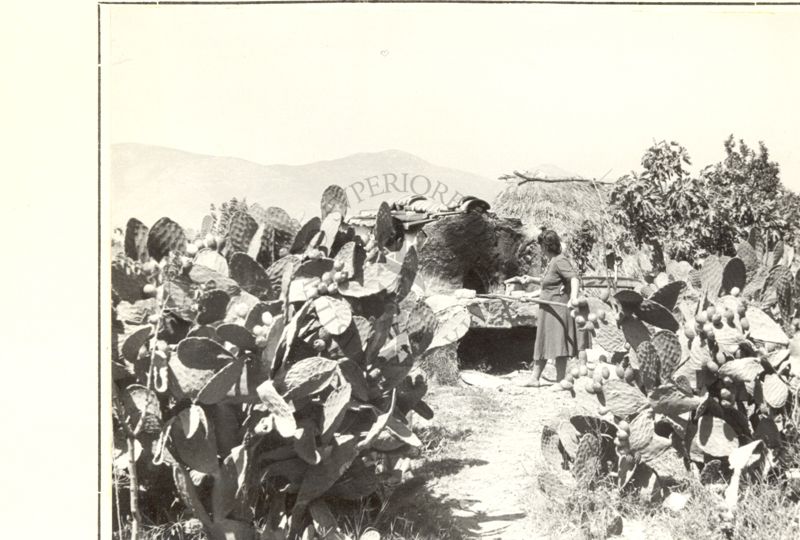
<point x="148" y="182"/>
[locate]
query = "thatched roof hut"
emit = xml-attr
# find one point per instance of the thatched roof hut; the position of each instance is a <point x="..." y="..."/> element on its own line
<point x="563" y="203"/>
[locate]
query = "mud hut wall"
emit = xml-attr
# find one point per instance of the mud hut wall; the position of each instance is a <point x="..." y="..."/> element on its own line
<point x="461" y="247"/>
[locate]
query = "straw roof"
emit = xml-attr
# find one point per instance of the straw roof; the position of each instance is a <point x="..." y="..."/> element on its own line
<point x="562" y="203"/>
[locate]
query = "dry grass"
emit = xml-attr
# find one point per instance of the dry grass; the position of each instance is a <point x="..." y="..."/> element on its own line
<point x="441" y="365"/>
<point x="766" y="511"/>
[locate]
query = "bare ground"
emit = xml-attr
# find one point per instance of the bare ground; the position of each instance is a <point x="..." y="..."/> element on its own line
<point x="477" y="478"/>
<point x="477" y="475"/>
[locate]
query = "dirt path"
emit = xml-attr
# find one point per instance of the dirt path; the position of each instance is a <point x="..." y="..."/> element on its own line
<point x="479" y="479"/>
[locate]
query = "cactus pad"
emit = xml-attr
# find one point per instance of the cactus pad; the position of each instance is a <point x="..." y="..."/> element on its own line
<point x="764" y="328"/>
<point x="221" y="383"/>
<point x="657" y="315"/>
<point x="623" y="399"/>
<point x="784" y="289"/>
<point x="250" y="276"/>
<point x="695" y="279"/>
<point x="241" y="228"/>
<point x="306" y="377"/>
<point x="136" y="234"/>
<point x="280" y="220"/>
<point x="238" y="335"/>
<point x="213" y="260"/>
<point x="334" y="408"/>
<point x="304" y="236"/>
<point x="609" y="336"/>
<point x="668" y="295"/>
<point x="319" y="478"/>
<point x="408" y="273"/>
<point x="672" y="401"/>
<point x="649" y="365"/>
<point x="165" y="236"/>
<point x="330" y="230"/>
<point x="668" y="347"/>
<point x="189" y="495"/>
<point x="641" y="430"/>
<point x="278" y="269"/>
<point x="715" y="436"/>
<point x="142" y="405"/>
<point x="278" y="407"/>
<point x="198" y="452"/>
<point x="212" y="307"/>
<point x="629" y="299"/>
<point x="587" y="459"/>
<point x="775" y="391"/>
<point x="734" y="275"/>
<point x="135" y="341"/>
<point x="420" y="327"/>
<point x="333" y="313"/>
<point x="266" y="254"/>
<point x="711" y="277"/>
<point x="378" y="277"/>
<point x="453" y="324"/>
<point x="126" y="281"/>
<point x="334" y="199"/>
<point x="384" y="225"/>
<point x="635" y="332"/>
<point x="195" y="363"/>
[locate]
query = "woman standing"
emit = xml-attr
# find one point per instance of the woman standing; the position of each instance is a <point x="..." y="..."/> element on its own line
<point x="556" y="334"/>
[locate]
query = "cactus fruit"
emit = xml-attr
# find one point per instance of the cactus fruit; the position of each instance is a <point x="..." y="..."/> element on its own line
<point x="744" y="324"/>
<point x="630" y="375"/>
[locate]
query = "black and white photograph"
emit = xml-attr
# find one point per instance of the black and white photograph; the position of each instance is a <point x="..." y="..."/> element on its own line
<point x="447" y="270"/>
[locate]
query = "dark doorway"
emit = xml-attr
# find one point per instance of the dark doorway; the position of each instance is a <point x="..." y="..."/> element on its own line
<point x="497" y="350"/>
<point x="473" y="281"/>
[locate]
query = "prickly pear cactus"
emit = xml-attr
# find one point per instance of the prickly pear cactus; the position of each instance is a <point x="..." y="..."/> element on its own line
<point x="259" y="397"/>
<point x="685" y="393"/>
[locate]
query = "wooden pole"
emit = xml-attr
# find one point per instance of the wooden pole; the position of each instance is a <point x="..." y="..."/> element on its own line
<point x="136" y="517"/>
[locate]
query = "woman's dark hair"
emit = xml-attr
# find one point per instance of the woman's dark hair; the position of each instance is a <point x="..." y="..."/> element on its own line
<point x="550" y="242"/>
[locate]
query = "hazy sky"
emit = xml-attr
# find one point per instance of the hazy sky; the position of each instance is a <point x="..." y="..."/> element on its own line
<point x="484" y="88"/>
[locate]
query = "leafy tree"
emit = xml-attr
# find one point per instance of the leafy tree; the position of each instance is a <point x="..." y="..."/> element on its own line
<point x="660" y="206"/>
<point x="680" y="216"/>
<point x="748" y="189"/>
<point x="582" y="244"/>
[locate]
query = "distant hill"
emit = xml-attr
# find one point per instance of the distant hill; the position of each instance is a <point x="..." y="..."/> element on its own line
<point x="149" y="182"/>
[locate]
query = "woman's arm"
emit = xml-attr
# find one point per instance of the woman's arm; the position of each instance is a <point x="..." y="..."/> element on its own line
<point x="574" y="286"/>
